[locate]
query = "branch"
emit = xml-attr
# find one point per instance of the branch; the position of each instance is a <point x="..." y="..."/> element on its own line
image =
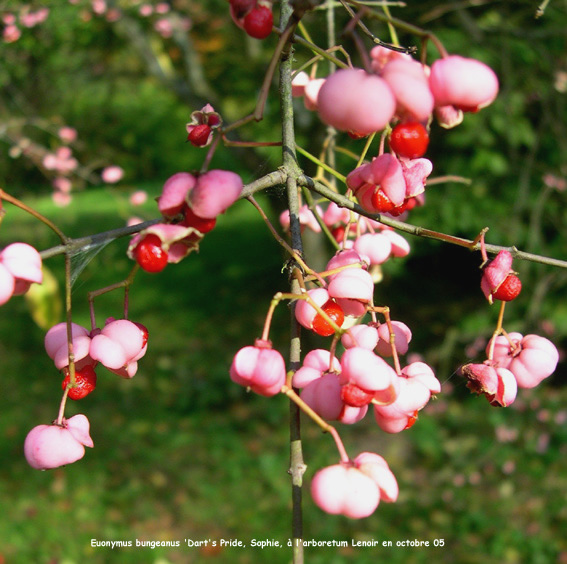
<point x="297" y="465"/>
<point x="343" y="202"/>
<point x="73" y="246"/>
<point x="279" y="178"/>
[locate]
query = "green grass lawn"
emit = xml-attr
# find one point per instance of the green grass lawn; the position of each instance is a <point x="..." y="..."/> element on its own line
<point x="183" y="453"/>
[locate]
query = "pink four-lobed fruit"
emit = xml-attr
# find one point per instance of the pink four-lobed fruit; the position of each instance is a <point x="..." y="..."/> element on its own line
<point x="190" y="205"/>
<point x="497" y="384"/>
<point x="176" y="240"/>
<point x="353" y="289"/>
<point x="323" y="395"/>
<point x="51" y="446"/>
<point x="365" y="336"/>
<point x="355" y="488"/>
<point x="353" y="100"/>
<point x="499" y="280"/>
<point x="322" y="389"/>
<point x="174" y="193"/>
<point x="400" y="247"/>
<point x="382" y="173"/>
<point x="342" y="258"/>
<point x="214" y="192"/>
<point x="260" y="368"/>
<point x="58" y="350"/>
<point x="373" y="247"/>
<point x="416" y="385"/>
<point x="119" y="346"/>
<point x="409" y="84"/>
<point x="345" y="490"/>
<point x="465" y="83"/>
<point x="402" y="338"/>
<point x="377" y="468"/>
<point x="531" y="359"/>
<point x="388" y="184"/>
<point x="415" y="173"/>
<point x="352" y="284"/>
<point x="363" y="368"/>
<point x="208" y="195"/>
<point x="315" y="363"/>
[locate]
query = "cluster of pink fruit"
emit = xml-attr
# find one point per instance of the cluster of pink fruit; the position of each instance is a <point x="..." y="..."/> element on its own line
<point x="190" y="205"/>
<point x="253" y="16"/>
<point x="342" y="388"/>
<point x="399" y="96"/>
<point x="117" y="346"/>
<point x="513" y="361"/>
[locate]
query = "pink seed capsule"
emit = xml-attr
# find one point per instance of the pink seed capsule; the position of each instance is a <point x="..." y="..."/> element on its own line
<point x="315" y="363"/>
<point x="368" y="371"/>
<point x="496" y="383"/>
<point x="402" y="338"/>
<point x="119" y="346"/>
<point x="376" y="467"/>
<point x="259" y="368"/>
<point x="51" y="446"/>
<point x="537" y="360"/>
<point x="23" y="262"/>
<point x="344" y="490"/>
<point x="410" y="86"/>
<point x="174" y="193"/>
<point x="465" y="83"/>
<point x="58" y="350"/>
<point x="353" y="100"/>
<point x="214" y="192"/>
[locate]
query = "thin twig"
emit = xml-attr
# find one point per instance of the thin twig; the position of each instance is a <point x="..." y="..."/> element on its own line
<point x="289" y="160"/>
<point x="341" y="201"/>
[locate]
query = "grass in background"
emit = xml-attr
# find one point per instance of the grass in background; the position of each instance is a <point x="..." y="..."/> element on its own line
<point x="181" y="452"/>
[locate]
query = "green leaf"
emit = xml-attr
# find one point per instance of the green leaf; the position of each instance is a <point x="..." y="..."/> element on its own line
<point x="44" y="301"/>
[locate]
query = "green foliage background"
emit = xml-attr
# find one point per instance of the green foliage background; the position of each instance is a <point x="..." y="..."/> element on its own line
<point x="180" y="451"/>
